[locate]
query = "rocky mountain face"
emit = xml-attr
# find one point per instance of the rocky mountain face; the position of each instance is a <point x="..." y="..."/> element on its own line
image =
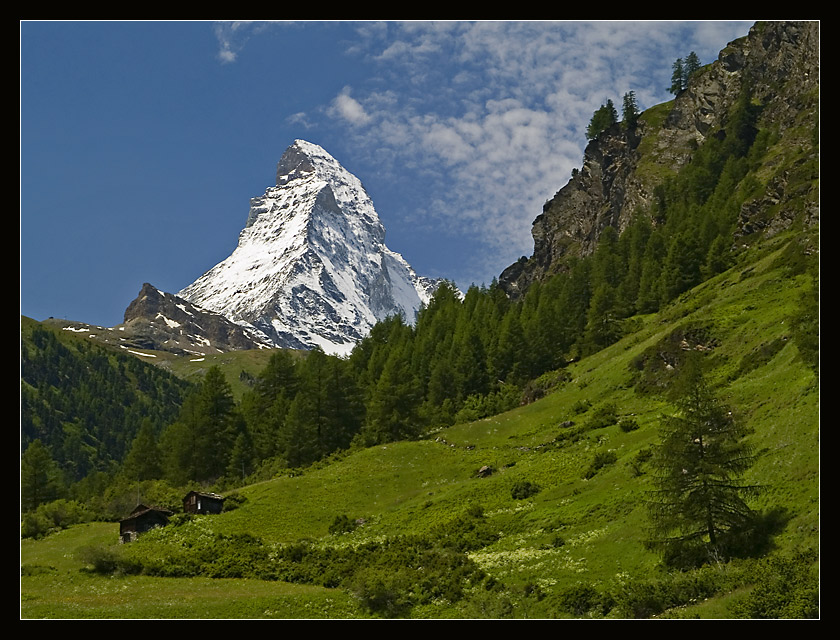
<point x="779" y="62"/>
<point x="160" y="321"/>
<point x="311" y="267"/>
<point x="164" y="322"/>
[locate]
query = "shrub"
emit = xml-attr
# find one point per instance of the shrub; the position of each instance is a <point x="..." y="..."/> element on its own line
<point x="581" y="406"/>
<point x="523" y="489"/>
<point x="645" y="598"/>
<point x="234" y="501"/>
<point x="342" y="524"/>
<point x="601" y="459"/>
<point x="107" y="559"/>
<point x="603" y="416"/>
<point x="628" y="424"/>
<point x="383" y="592"/>
<point x="785" y="587"/>
<point x="53" y="516"/>
<point x="581" y="599"/>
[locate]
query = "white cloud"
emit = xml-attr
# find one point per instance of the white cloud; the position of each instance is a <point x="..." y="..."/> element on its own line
<point x="347" y="108"/>
<point x="491" y="116"/>
<point x="498" y="110"/>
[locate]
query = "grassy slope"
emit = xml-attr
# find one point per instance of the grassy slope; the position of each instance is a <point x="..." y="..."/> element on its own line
<point x="410" y="487"/>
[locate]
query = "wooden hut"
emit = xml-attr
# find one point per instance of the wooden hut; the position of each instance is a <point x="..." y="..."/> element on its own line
<point x="201" y="502"/>
<point x="141" y="519"/>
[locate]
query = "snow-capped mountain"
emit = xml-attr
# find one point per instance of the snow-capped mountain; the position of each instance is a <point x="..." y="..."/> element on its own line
<point x="311" y="267"/>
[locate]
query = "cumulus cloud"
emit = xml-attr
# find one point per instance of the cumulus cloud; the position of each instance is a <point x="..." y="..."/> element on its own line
<point x="345" y="107"/>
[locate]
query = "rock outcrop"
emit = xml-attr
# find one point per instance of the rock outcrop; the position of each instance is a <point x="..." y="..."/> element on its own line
<point x="779" y="63"/>
<point x="164" y="322"/>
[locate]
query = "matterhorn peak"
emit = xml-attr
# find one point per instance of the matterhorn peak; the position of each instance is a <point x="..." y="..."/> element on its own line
<point x="311" y="268"/>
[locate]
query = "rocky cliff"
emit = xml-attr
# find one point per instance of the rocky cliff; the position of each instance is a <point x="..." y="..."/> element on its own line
<point x="779" y="63"/>
<point x="164" y="322"/>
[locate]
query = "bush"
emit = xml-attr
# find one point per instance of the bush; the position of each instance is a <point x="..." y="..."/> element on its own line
<point x="523" y="489"/>
<point x="603" y="416"/>
<point x="582" y="599"/>
<point x="342" y="524"/>
<point x="234" y="501"/>
<point x="581" y="406"/>
<point x="601" y="459"/>
<point x="384" y="593"/>
<point x="628" y="424"/>
<point x="785" y="587"/>
<point x="53" y="516"/>
<point x="107" y="559"/>
<point x="646" y="598"/>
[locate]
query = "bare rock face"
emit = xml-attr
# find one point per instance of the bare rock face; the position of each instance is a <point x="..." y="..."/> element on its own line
<point x="163" y="322"/>
<point x="778" y="61"/>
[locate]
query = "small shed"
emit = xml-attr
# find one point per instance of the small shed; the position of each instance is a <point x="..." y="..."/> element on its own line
<point x="141" y="519"/>
<point x="201" y="502"/>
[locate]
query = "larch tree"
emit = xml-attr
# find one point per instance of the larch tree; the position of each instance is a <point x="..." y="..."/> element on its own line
<point x="698" y="503"/>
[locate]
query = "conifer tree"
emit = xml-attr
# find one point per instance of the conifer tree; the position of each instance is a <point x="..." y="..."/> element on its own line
<point x="392" y="410"/>
<point x="698" y="503"/>
<point x="197" y="446"/>
<point x="144" y="461"/>
<point x="603" y="118"/>
<point x="650" y="284"/>
<point x="630" y="110"/>
<point x="602" y="326"/>
<point x="39" y="476"/>
<point x="681" y="270"/>
<point x="690" y="66"/>
<point x="677" y="77"/>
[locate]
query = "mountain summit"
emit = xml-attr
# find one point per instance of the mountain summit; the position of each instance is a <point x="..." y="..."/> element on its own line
<point x="311" y="267"/>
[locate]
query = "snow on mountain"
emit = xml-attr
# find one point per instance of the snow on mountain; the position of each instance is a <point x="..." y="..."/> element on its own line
<point x="311" y="267"/>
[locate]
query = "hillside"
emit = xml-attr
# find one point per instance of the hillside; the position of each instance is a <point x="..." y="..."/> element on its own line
<point x="73" y="390"/>
<point x="573" y="549"/>
<point x="519" y="449"/>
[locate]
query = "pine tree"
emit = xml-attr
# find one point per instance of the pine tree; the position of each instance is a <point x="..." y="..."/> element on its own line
<point x="197" y="446"/>
<point x="603" y="326"/>
<point x="392" y="411"/>
<point x="264" y="406"/>
<point x="697" y="508"/>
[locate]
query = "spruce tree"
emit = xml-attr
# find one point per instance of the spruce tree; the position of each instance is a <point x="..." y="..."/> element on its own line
<point x="677" y="77"/>
<point x="690" y="66"/>
<point x="603" y="118"/>
<point x="630" y="110"/>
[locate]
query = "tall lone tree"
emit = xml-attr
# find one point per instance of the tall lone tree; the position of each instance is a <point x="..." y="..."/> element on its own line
<point x="630" y="110"/>
<point x="698" y="501"/>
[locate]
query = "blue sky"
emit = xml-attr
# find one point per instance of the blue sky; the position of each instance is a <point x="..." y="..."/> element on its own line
<point x="141" y="143"/>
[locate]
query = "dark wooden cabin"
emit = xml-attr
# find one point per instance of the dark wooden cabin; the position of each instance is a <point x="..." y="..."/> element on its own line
<point x="200" y="502"/>
<point x="141" y="519"/>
